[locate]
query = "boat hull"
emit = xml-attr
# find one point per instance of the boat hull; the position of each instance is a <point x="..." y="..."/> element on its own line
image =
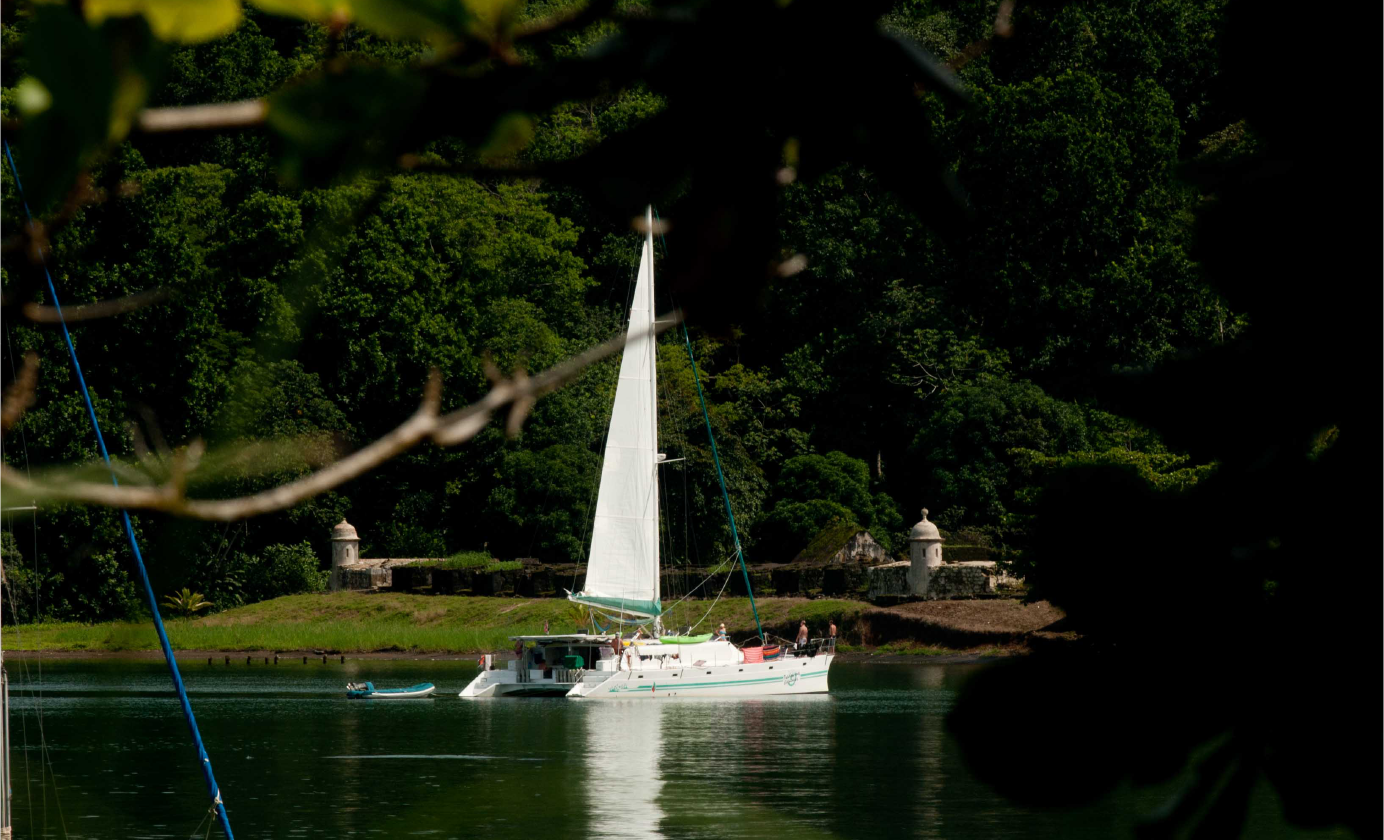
<point x="790" y="675"/>
<point x="392" y="694"/>
<point x="786" y="676"/>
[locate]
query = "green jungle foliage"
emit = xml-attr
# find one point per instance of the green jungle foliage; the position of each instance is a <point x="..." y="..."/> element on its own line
<point x="1098" y="311"/>
<point x="898" y="370"/>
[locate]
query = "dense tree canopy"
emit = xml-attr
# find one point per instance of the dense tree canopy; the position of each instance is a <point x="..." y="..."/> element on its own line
<point x="904" y="366"/>
<point x="1004" y="303"/>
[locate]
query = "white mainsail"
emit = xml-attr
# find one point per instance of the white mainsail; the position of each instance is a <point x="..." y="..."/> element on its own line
<point x="622" y="569"/>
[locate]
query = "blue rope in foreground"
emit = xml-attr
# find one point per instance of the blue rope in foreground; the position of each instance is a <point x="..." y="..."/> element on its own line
<point x="202" y="758"/>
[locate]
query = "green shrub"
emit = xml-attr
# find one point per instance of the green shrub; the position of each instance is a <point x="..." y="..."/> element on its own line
<point x="186" y="603"/>
<point x="283" y="570"/>
<point x="465" y="560"/>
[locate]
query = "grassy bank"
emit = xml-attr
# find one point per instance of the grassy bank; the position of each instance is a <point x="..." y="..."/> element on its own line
<point x="357" y="622"/>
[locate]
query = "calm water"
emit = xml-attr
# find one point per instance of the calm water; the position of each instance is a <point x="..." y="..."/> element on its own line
<point x="296" y="759"/>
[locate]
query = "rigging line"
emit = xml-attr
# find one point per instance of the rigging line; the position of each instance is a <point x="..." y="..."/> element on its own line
<point x="45" y="755"/>
<point x="666" y="535"/>
<point x="715" y="570"/>
<point x="685" y="440"/>
<point x="729" y="575"/>
<point x="213" y="792"/>
<point x="725" y="495"/>
<point x="661" y="237"/>
<point x="33" y="520"/>
<point x="46" y="769"/>
<point x="8" y="592"/>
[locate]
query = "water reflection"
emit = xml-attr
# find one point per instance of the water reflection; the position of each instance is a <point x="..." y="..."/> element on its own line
<point x="622" y="755"/>
<point x="295" y="758"/>
<point x="931" y="776"/>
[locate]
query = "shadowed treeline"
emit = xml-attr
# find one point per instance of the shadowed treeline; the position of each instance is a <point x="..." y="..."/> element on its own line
<point x="1250" y="584"/>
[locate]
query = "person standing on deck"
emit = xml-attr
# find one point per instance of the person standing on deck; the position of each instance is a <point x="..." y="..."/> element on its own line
<point x="802" y="635"/>
<point x="721" y="633"/>
<point x="831" y="632"/>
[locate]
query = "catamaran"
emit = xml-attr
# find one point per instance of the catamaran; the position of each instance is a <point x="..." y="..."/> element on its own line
<point x="622" y="578"/>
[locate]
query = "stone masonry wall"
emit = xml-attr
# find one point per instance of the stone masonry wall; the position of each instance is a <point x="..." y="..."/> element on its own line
<point x="889" y="583"/>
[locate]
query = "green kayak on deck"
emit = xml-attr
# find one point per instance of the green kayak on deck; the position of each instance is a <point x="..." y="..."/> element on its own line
<point x="685" y="640"/>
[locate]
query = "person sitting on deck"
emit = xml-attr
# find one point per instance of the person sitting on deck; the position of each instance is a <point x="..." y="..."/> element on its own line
<point x="802" y="635"/>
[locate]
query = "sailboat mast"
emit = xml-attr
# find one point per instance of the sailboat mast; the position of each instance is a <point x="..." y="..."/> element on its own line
<point x="653" y="402"/>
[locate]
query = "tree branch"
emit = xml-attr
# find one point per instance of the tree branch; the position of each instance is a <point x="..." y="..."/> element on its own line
<point x="20" y="395"/>
<point x="241" y="114"/>
<point x="517" y="392"/>
<point x="100" y="309"/>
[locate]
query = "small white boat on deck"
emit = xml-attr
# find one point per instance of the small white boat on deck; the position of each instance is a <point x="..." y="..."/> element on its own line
<point x="622" y="578"/>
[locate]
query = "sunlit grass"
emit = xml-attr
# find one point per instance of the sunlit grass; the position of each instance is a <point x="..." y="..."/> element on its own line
<point x="912" y="649"/>
<point x="353" y="621"/>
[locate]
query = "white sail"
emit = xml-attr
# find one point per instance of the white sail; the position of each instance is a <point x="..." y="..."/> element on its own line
<point x="622" y="569"/>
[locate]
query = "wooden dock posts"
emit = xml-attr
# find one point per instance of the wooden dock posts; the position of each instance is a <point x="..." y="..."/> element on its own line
<point x="250" y="660"/>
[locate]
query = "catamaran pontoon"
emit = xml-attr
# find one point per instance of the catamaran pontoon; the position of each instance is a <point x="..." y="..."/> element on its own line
<point x="622" y="579"/>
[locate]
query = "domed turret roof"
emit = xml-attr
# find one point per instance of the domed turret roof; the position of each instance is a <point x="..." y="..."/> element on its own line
<point x="344" y="531"/>
<point x="924" y="530"/>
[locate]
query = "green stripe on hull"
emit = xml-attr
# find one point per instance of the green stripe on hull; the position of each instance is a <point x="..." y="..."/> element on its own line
<point x="621" y="689"/>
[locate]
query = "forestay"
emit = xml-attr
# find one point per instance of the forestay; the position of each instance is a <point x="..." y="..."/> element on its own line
<point x="622" y="570"/>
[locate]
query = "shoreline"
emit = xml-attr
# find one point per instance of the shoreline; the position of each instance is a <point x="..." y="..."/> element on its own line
<point x="439" y="627"/>
<point x="220" y="657"/>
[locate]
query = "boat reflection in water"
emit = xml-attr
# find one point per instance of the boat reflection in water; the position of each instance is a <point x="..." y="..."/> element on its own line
<point x="705" y="768"/>
<point x="623" y="751"/>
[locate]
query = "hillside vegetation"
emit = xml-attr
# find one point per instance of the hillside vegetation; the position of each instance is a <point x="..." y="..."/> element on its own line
<point x="352" y="621"/>
<point x="900" y="368"/>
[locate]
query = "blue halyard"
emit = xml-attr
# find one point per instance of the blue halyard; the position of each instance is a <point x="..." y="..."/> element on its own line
<point x="716" y="456"/>
<point x="720" y="476"/>
<point x="203" y="760"/>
